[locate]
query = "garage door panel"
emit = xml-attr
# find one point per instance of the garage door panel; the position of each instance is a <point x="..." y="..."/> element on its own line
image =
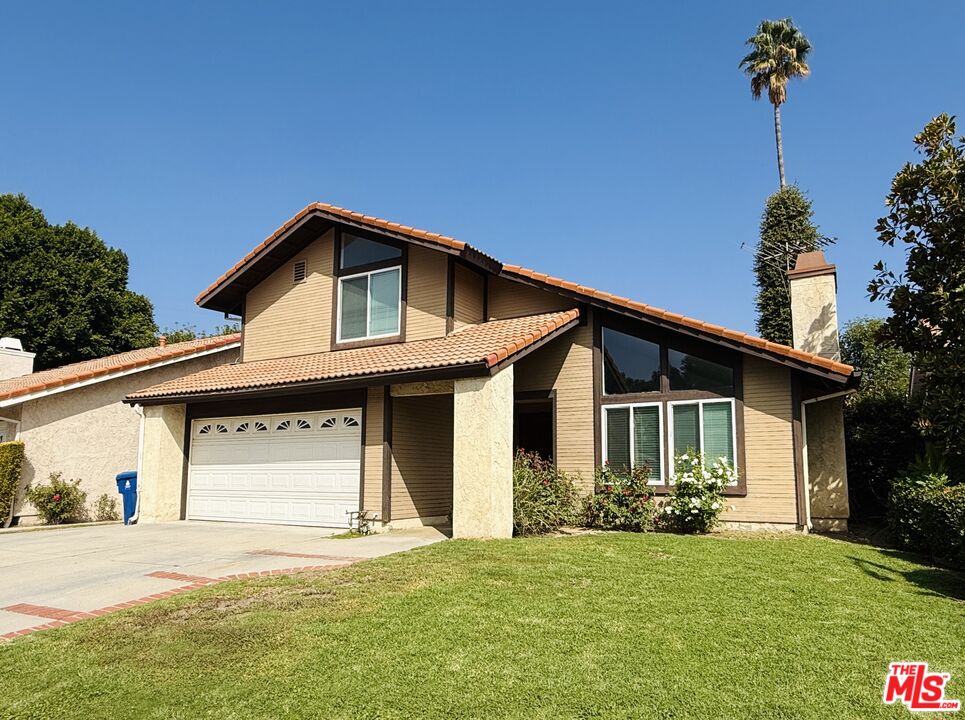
<point x="298" y="469"/>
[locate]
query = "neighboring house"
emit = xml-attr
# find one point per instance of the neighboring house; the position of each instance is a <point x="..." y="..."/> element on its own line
<point x="73" y="420"/>
<point x="393" y="370"/>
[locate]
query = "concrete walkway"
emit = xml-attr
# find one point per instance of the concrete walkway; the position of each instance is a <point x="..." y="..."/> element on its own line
<point x="67" y="574"/>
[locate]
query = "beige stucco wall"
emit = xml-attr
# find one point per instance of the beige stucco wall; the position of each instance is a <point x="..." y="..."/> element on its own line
<point x="162" y="464"/>
<point x="827" y="468"/>
<point x="768" y="447"/>
<point x="814" y="315"/>
<point x="89" y="433"/>
<point x="14" y="363"/>
<point x="483" y="456"/>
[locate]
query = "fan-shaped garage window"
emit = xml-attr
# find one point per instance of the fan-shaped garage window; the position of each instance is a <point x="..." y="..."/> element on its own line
<point x="328" y="422"/>
<point x="283" y="425"/>
<point x="222" y="428"/>
<point x="242" y="427"/>
<point x="260" y="426"/>
<point x="302" y="424"/>
<point x="205" y="429"/>
<point x="349" y="421"/>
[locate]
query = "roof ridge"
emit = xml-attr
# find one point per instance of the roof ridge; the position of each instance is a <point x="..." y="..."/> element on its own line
<point x="452" y="243"/>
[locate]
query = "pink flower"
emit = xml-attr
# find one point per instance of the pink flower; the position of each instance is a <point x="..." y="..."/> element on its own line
<point x="56" y="498"/>
<point x="546" y="482"/>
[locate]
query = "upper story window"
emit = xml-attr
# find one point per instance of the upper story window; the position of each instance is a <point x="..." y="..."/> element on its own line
<point x="630" y="364"/>
<point x="369" y="289"/>
<point x="660" y="402"/>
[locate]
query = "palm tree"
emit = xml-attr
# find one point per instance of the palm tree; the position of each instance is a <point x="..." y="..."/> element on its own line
<point x="779" y="53"/>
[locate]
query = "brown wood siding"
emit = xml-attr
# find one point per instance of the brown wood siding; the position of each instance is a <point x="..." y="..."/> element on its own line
<point x="372" y="490"/>
<point x="468" y="298"/>
<point x="768" y="445"/>
<point x="421" y="456"/>
<point x="509" y="299"/>
<point x="426" y="300"/>
<point x="566" y="366"/>
<point x="283" y="318"/>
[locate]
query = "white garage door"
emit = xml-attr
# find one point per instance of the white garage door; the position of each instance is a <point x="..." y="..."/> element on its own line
<point x="295" y="469"/>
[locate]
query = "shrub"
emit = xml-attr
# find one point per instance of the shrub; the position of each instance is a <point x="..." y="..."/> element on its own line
<point x="11" y="462"/>
<point x="621" y="500"/>
<point x="61" y="501"/>
<point x="927" y="515"/>
<point x="544" y="497"/>
<point x="697" y="502"/>
<point x="106" y="508"/>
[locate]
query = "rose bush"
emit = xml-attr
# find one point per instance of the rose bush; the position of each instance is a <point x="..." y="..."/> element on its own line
<point x="696" y="501"/>
<point x="60" y="501"/>
<point x="621" y="500"/>
<point x="544" y="497"/>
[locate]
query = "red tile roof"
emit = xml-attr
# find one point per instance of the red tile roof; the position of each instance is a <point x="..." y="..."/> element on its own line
<point x="110" y="365"/>
<point x="515" y="271"/>
<point x="484" y="345"/>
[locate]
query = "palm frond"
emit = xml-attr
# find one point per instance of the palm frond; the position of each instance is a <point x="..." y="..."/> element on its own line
<point x="779" y="52"/>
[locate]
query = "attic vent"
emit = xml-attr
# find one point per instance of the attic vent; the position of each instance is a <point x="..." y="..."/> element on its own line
<point x="300" y="272"/>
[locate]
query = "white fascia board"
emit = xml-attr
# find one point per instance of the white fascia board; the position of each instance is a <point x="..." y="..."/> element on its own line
<point x="112" y="376"/>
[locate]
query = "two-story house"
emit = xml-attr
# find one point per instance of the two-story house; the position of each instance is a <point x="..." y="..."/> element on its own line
<point x="393" y="370"/>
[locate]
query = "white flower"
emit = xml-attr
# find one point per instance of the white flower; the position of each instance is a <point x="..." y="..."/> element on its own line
<point x="715" y="505"/>
<point x="693" y="512"/>
<point x="684" y="457"/>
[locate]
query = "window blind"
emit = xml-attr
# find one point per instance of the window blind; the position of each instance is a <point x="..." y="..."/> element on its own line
<point x="686" y="430"/>
<point x="718" y="432"/>
<point x="646" y="439"/>
<point x="618" y="438"/>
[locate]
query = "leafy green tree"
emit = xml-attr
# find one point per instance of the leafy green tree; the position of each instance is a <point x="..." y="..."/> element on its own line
<point x="787" y="229"/>
<point x="779" y="53"/>
<point x="881" y="429"/>
<point x="63" y="291"/>
<point x="927" y="215"/>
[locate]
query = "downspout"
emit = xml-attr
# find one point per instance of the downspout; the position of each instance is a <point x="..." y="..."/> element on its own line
<point x="140" y="461"/>
<point x="804" y="450"/>
<point x="13" y="500"/>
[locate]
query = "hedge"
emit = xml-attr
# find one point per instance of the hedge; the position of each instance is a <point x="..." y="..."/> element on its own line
<point x="11" y="463"/>
<point x="927" y="515"/>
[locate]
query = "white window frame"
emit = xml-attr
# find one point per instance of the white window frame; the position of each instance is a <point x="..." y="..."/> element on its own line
<point x="671" y="404"/>
<point x="660" y="423"/>
<point x="368" y="305"/>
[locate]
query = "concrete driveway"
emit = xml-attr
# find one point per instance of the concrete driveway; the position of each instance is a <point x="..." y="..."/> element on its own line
<point x="51" y="577"/>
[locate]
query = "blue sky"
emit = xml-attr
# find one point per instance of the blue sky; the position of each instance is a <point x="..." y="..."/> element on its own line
<point x="613" y="144"/>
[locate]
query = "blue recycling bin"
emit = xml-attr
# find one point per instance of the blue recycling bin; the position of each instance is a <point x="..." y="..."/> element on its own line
<point x="127" y="487"/>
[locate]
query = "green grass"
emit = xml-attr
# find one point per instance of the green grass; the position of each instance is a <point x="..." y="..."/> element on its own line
<point x="615" y="625"/>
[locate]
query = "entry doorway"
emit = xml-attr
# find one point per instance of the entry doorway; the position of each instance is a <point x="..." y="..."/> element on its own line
<point x="534" y="424"/>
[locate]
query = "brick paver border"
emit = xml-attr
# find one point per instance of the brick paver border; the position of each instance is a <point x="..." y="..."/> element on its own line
<point x="60" y="617"/>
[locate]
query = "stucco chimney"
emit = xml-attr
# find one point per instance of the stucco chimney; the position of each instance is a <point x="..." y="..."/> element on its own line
<point x="14" y="361"/>
<point x="814" y="305"/>
<point x="162" y="341"/>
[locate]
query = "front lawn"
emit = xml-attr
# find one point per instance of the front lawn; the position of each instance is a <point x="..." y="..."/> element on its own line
<point x="615" y="625"/>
